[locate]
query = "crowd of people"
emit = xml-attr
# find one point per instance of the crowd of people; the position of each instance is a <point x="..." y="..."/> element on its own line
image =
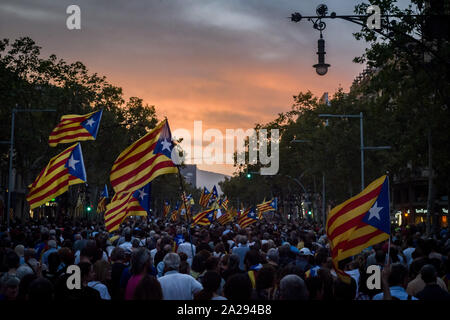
<point x="151" y="259"/>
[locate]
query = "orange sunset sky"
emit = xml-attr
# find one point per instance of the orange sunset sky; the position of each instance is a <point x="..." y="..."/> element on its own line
<point x="228" y="63"/>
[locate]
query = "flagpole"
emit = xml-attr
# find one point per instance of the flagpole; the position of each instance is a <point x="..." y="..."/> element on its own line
<point x="185" y="206"/>
<point x="389" y="213"/>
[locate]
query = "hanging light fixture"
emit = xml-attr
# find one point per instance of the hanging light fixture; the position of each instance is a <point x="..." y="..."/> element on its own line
<point x="321" y="67"/>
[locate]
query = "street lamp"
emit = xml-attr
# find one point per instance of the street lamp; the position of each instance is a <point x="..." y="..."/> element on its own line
<point x="324" y="212"/>
<point x="321" y="67"/>
<point x="361" y="130"/>
<point x="11" y="143"/>
<point x="387" y="30"/>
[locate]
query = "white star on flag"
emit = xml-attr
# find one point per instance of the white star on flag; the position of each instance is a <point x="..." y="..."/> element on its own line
<point x="375" y="212"/>
<point x="73" y="162"/>
<point x="90" y="122"/>
<point x="166" y="145"/>
<point x="142" y="194"/>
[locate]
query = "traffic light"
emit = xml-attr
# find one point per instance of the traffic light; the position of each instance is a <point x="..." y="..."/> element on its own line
<point x="249" y="175"/>
<point x="309" y="212"/>
<point x="89" y="208"/>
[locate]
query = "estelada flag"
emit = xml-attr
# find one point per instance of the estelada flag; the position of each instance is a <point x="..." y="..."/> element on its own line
<point x="144" y="160"/>
<point x="75" y="127"/>
<point x="247" y="217"/>
<point x="359" y="222"/>
<point x="63" y="170"/>
<point x="204" y="198"/>
<point x="126" y="204"/>
<point x="204" y="218"/>
<point x="166" y="208"/>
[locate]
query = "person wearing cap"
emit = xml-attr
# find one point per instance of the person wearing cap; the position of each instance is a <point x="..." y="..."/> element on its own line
<point x="304" y="259"/>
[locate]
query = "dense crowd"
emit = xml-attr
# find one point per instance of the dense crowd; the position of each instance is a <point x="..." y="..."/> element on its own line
<point x="151" y="260"/>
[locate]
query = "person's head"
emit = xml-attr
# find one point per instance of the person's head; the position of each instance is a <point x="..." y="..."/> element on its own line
<point x="344" y="291"/>
<point x="66" y="255"/>
<point x="19" y="249"/>
<point x="428" y="274"/>
<point x="242" y="239"/>
<point x="380" y="256"/>
<point x="272" y="255"/>
<point x="233" y="262"/>
<point x="320" y="287"/>
<point x="292" y="268"/>
<point x="41" y="289"/>
<point x="185" y="268"/>
<point x="11" y="288"/>
<point x="53" y="262"/>
<point x="103" y="271"/>
<point x="29" y="254"/>
<point x="140" y="261"/>
<point x="183" y="256"/>
<point x="266" y="278"/>
<point x="219" y="248"/>
<point x="171" y="262"/>
<point x="398" y="275"/>
<point x="135" y="244"/>
<point x="89" y="252"/>
<point x="12" y="260"/>
<point x="51" y="244"/>
<point x="127" y="237"/>
<point x="211" y="283"/>
<point x="118" y="255"/>
<point x="321" y="258"/>
<point x="87" y="272"/>
<point x="238" y="287"/>
<point x="252" y="258"/>
<point x="212" y="264"/>
<point x="292" y="287"/>
<point x="198" y="262"/>
<point x="223" y="264"/>
<point x="24" y="285"/>
<point x="148" y="288"/>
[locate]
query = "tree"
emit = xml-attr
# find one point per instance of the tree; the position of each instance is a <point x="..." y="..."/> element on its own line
<point x="27" y="80"/>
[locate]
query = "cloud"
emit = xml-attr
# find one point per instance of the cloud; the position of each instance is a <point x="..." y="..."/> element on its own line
<point x="28" y="13"/>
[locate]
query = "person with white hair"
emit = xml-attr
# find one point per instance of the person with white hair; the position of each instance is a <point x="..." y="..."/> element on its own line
<point x="52" y="247"/>
<point x="175" y="285"/>
<point x="292" y="287"/>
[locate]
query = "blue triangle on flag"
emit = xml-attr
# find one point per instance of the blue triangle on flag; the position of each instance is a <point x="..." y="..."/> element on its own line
<point x="92" y="124"/>
<point x="164" y="145"/>
<point x="378" y="215"/>
<point x="75" y="163"/>
<point x="143" y="196"/>
<point x="104" y="193"/>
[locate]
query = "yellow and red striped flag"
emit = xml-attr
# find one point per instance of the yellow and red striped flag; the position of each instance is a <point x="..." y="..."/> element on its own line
<point x="63" y="170"/>
<point x="75" y="127"/>
<point x="203" y="218"/>
<point x="126" y="204"/>
<point x="144" y="160"/>
<point x="175" y="213"/>
<point x="359" y="222"/>
<point x="101" y="206"/>
<point x="225" y="218"/>
<point x="204" y="198"/>
<point x="166" y="208"/>
<point x="247" y="217"/>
